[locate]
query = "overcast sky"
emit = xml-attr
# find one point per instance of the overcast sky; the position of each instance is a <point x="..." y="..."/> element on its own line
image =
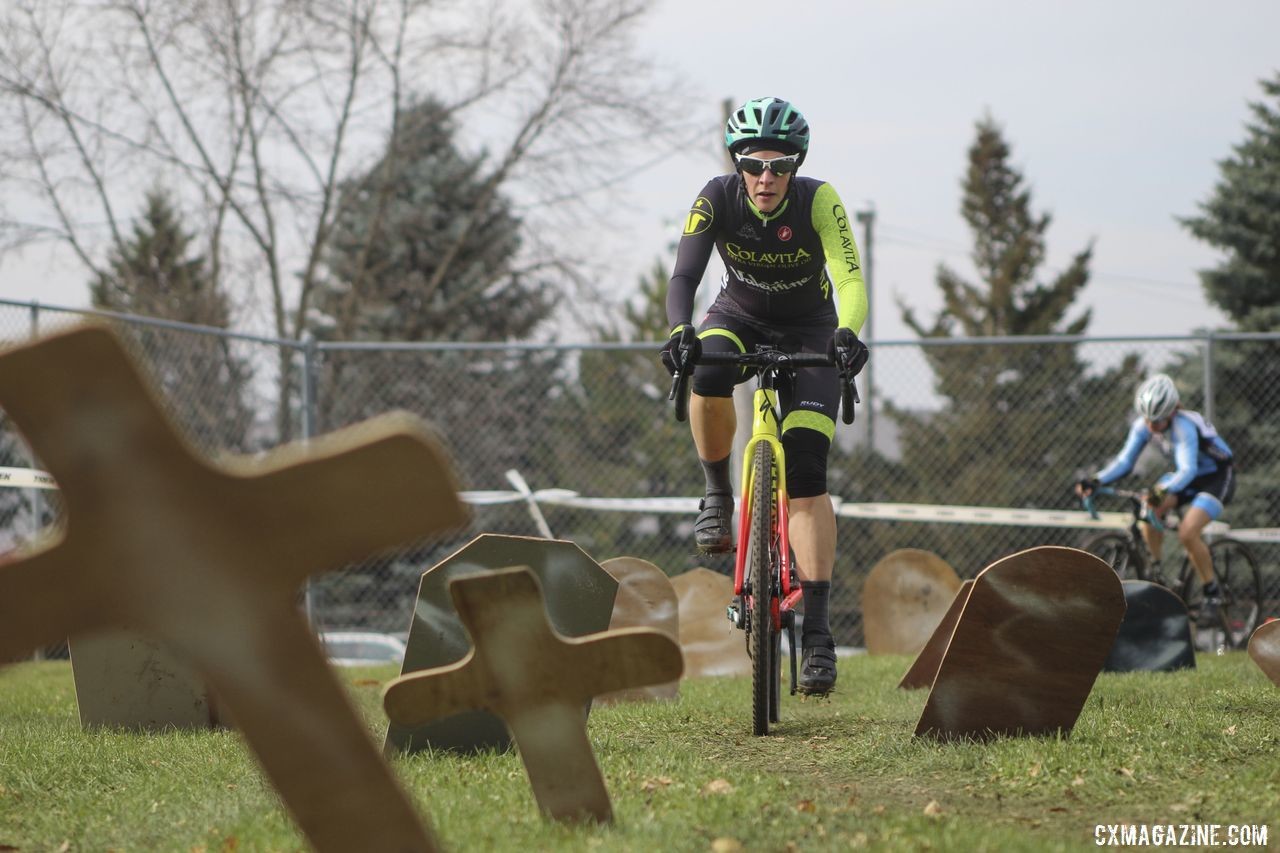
<point x="1117" y="112"/>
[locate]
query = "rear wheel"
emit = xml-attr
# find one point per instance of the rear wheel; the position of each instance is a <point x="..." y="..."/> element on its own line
<point x="760" y="563"/>
<point x="1117" y="551"/>
<point x="1229" y="625"/>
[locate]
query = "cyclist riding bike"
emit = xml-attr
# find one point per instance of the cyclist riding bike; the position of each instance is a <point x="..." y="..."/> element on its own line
<point x="1202" y="483"/>
<point x="793" y="280"/>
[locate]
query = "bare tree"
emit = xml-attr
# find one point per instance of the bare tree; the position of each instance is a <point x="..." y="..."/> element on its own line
<point x="255" y="111"/>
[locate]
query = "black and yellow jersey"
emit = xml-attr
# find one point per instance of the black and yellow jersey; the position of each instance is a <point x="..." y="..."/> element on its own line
<point x="791" y="267"/>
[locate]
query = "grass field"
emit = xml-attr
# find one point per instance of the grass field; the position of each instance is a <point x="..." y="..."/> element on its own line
<point x="1195" y="747"/>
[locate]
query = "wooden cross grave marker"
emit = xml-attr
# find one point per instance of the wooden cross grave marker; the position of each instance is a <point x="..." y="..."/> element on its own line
<point x="538" y="681"/>
<point x="207" y="561"/>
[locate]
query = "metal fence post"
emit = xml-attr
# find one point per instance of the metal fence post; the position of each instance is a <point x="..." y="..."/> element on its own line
<point x="308" y="432"/>
<point x="37" y="496"/>
<point x="1208" y="376"/>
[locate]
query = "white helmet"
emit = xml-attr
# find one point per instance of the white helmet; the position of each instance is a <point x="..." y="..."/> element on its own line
<point x="1156" y="398"/>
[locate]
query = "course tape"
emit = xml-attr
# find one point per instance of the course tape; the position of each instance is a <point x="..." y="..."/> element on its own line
<point x="26" y="478"/>
<point x="932" y="513"/>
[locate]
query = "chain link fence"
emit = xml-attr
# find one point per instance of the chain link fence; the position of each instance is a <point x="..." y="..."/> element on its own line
<point x="983" y="423"/>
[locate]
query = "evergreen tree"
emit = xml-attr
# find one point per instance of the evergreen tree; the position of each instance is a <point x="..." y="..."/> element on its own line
<point x="1016" y="423"/>
<point x="1242" y="220"/>
<point x="397" y="272"/>
<point x="157" y="274"/>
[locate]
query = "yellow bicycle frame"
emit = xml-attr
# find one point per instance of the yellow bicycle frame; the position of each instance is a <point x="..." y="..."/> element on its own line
<point x="764" y="427"/>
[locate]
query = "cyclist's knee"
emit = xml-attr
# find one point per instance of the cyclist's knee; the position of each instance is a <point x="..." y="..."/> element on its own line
<point x="806" y="451"/>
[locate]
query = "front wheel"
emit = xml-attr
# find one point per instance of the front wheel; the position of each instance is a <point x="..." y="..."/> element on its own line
<point x="1229" y="625"/>
<point x="1117" y="551"/>
<point x="764" y="577"/>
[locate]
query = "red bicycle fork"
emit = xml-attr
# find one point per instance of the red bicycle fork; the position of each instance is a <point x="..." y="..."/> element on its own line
<point x="779" y="533"/>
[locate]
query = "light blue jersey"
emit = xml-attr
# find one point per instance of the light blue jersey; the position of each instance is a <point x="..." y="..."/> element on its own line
<point x="1194" y="444"/>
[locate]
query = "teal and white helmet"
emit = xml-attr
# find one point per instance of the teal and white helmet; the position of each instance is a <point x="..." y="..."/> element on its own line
<point x="1156" y="398"/>
<point x="767" y="123"/>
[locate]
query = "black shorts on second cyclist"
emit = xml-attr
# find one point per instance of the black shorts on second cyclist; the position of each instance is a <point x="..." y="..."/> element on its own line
<point x="1210" y="492"/>
<point x="809" y="404"/>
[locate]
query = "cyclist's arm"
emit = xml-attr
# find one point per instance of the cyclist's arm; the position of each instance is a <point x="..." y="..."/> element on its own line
<point x="1139" y="435"/>
<point x="831" y="221"/>
<point x="1186" y="453"/>
<point x="696" y="243"/>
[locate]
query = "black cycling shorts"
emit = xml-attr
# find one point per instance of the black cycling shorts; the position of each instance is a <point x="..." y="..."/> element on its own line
<point x="809" y="403"/>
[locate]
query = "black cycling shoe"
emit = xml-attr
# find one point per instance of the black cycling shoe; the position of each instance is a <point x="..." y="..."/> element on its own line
<point x="818" y="674"/>
<point x="712" y="532"/>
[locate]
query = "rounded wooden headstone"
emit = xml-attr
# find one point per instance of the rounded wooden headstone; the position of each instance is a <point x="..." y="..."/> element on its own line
<point x="904" y="598"/>
<point x="1264" y="649"/>
<point x="646" y="599"/>
<point x="1029" y="644"/>
<point x="710" y="643"/>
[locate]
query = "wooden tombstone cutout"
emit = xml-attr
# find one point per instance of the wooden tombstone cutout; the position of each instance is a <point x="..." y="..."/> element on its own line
<point x="579" y="600"/>
<point x="207" y="561"/>
<point x="127" y="680"/>
<point x="1155" y="634"/>
<point x="1029" y="644"/>
<point x="904" y="598"/>
<point x="536" y="680"/>
<point x="710" y="643"/>
<point x="925" y="667"/>
<point x="646" y="599"/>
<point x="1264" y="649"/>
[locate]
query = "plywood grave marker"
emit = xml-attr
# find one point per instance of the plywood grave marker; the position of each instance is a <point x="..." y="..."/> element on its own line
<point x="1264" y="649"/>
<point x="925" y="667"/>
<point x="126" y="680"/>
<point x="1029" y="644"/>
<point x="579" y="601"/>
<point x="646" y="599"/>
<point x="538" y="682"/>
<point x="710" y="643"/>
<point x="206" y="560"/>
<point x="904" y="598"/>
<point x="1155" y="634"/>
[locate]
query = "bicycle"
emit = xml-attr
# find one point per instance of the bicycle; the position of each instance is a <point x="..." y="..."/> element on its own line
<point x="766" y="590"/>
<point x="1234" y="566"/>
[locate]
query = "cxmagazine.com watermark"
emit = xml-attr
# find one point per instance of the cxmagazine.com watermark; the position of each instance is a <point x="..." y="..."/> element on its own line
<point x="1180" y="835"/>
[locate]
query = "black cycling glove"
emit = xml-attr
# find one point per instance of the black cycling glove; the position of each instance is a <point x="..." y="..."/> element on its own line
<point x="684" y="339"/>
<point x="849" y="353"/>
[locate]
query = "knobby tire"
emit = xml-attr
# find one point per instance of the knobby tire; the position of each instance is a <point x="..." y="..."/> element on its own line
<point x="760" y="564"/>
<point x="1117" y="551"/>
<point x="1240" y="583"/>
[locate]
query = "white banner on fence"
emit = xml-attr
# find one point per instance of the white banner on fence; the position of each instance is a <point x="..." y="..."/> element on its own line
<point x="934" y="513"/>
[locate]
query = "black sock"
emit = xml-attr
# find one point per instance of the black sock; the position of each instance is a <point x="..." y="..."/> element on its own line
<point x="816" y="624"/>
<point x="718" y="480"/>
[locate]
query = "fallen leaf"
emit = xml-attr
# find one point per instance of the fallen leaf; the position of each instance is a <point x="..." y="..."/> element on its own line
<point x="933" y="809"/>
<point x="1230" y="730"/>
<point x="726" y="845"/>
<point x="655" y="782"/>
<point x="717" y="786"/>
<point x="1126" y="772"/>
<point x="366" y="682"/>
<point x="878" y="810"/>
<point x="1077" y="782"/>
<point x="806" y="806"/>
<point x="1034" y="770"/>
